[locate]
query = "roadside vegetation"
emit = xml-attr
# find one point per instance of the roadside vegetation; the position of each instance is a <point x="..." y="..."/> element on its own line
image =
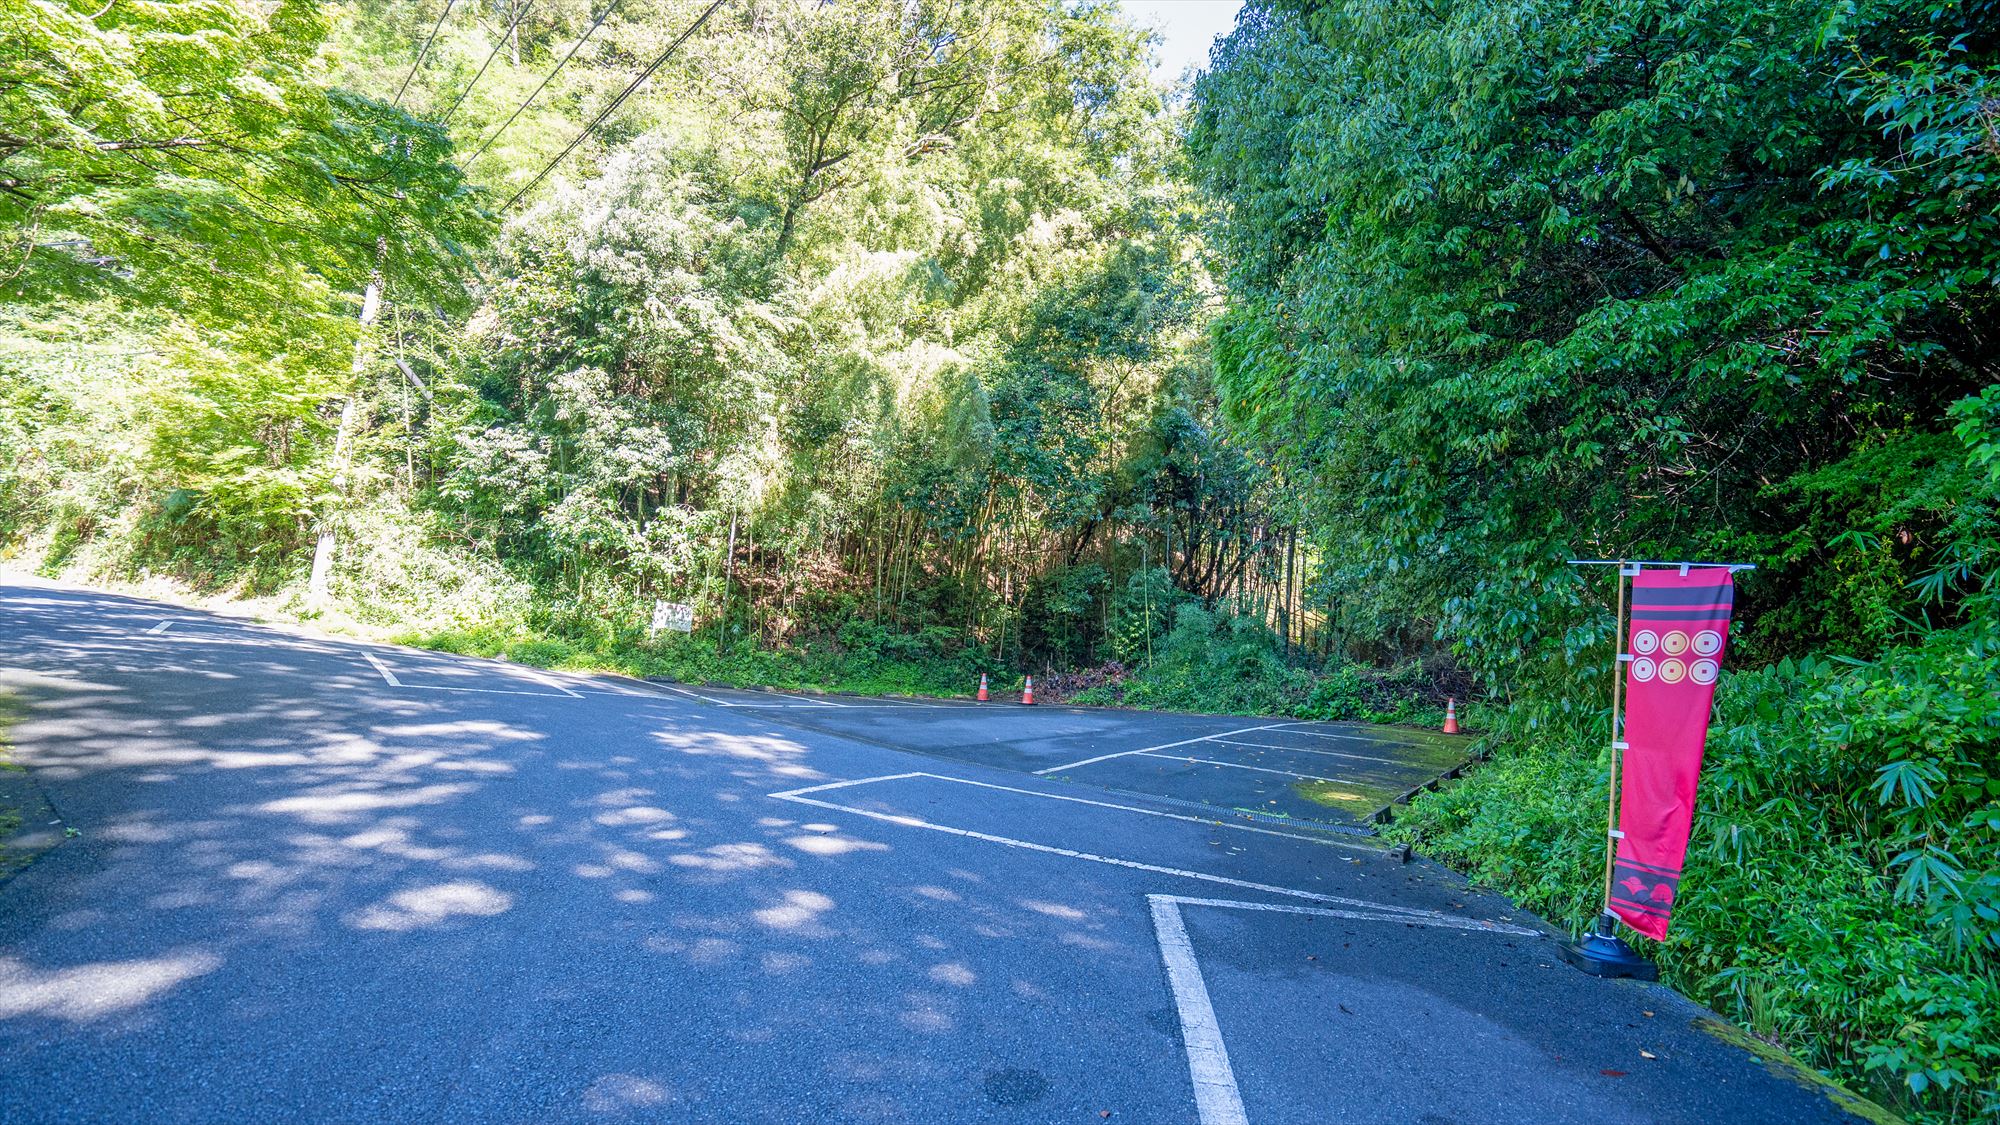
<point x="1511" y="285"/>
<point x="907" y="342"/>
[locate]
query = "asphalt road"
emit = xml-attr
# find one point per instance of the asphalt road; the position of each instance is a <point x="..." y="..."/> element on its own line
<point x="323" y="881"/>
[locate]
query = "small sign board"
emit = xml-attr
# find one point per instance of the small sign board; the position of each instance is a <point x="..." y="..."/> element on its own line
<point x="672" y="615"/>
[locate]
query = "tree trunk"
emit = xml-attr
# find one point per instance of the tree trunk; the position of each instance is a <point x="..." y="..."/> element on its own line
<point x="322" y="568"/>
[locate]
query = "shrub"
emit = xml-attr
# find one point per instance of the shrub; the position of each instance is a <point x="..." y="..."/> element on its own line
<point x="1840" y="889"/>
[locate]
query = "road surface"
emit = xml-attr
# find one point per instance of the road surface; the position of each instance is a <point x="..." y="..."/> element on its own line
<point x="326" y="881"/>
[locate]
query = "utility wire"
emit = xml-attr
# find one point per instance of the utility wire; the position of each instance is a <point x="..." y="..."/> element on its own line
<point x="519" y="14"/>
<point x="574" y="47"/>
<point x="423" y="54"/>
<point x="608" y="110"/>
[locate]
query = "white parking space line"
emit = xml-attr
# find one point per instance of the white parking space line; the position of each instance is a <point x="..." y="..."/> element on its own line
<point x="1259" y="769"/>
<point x="384" y="669"/>
<point x="1307" y="750"/>
<point x="799" y="796"/>
<point x="1207" y="821"/>
<point x="162" y="627"/>
<point x="1150" y="749"/>
<point x="1217" y="1101"/>
<point x="1217" y="1098"/>
<point x="1300" y="728"/>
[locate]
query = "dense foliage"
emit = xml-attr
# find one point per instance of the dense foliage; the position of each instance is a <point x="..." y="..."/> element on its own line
<point x="1513" y="283"/>
<point x="880" y="310"/>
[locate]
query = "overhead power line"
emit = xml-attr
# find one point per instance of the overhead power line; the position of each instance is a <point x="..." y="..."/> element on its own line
<point x="608" y="110"/>
<point x="519" y="14"/>
<point x="423" y="54"/>
<point x="574" y="47"/>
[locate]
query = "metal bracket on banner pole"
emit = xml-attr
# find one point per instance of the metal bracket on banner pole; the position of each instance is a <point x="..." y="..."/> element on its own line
<point x="1630" y="567"/>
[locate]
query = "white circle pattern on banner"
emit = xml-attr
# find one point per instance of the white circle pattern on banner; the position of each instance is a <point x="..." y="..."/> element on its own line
<point x="1674" y="643"/>
<point x="1703" y="671"/>
<point x="1645" y="642"/>
<point x="1672" y="671"/>
<point x="1643" y="669"/>
<point x="1708" y="642"/>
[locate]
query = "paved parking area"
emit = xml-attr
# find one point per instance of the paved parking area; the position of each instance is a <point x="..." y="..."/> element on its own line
<point x="1326" y="773"/>
<point x="321" y="881"/>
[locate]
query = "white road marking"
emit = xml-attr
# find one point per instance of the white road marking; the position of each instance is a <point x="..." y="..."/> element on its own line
<point x="1298" y="728"/>
<point x="541" y="677"/>
<point x="1217" y="1099"/>
<point x="488" y="691"/>
<point x="1308" y="750"/>
<point x="1436" y="920"/>
<point x="390" y="678"/>
<point x="162" y="627"/>
<point x="678" y="690"/>
<point x="832" y="785"/>
<point x="384" y="669"/>
<point x="1259" y="769"/>
<point x="1154" y="812"/>
<point x="821" y="702"/>
<point x="1150" y="749"/>
<point x="798" y="796"/>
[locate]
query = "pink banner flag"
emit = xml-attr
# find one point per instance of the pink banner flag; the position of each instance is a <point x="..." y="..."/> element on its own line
<point x="1680" y="626"/>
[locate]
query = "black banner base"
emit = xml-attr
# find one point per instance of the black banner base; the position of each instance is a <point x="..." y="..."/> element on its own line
<point x="1602" y="953"/>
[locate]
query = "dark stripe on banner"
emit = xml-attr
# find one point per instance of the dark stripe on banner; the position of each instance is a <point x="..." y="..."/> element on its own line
<point x="1699" y="595"/>
<point x="1641" y="907"/>
<point x="1704" y="616"/>
<point x="1669" y="872"/>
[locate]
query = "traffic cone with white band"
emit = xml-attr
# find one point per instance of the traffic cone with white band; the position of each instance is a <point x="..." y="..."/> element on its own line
<point x="982" y="687"/>
<point x="1451" y="716"/>
<point x="1028" y="693"/>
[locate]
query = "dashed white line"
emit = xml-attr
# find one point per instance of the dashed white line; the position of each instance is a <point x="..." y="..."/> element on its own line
<point x="1150" y="749"/>
<point x="162" y="627"/>
<point x="384" y="669"/>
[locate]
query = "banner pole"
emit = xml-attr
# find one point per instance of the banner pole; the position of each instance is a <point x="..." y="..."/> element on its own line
<point x="1617" y="744"/>
<point x="1602" y="952"/>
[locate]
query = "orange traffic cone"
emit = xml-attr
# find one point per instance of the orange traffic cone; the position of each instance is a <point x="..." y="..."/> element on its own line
<point x="1028" y="693"/>
<point x="1451" y="716"/>
<point x="982" y="687"/>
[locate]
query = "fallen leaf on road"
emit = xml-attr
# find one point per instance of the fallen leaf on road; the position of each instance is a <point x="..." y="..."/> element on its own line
<point x="1647" y="1014"/>
<point x="1612" y="1073"/>
<point x="1648" y="1055"/>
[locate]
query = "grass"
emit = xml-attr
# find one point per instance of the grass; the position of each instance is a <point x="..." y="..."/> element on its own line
<point x="696" y="659"/>
<point x="10" y="795"/>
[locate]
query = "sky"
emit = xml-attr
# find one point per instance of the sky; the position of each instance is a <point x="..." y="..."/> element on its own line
<point x="1187" y="27"/>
